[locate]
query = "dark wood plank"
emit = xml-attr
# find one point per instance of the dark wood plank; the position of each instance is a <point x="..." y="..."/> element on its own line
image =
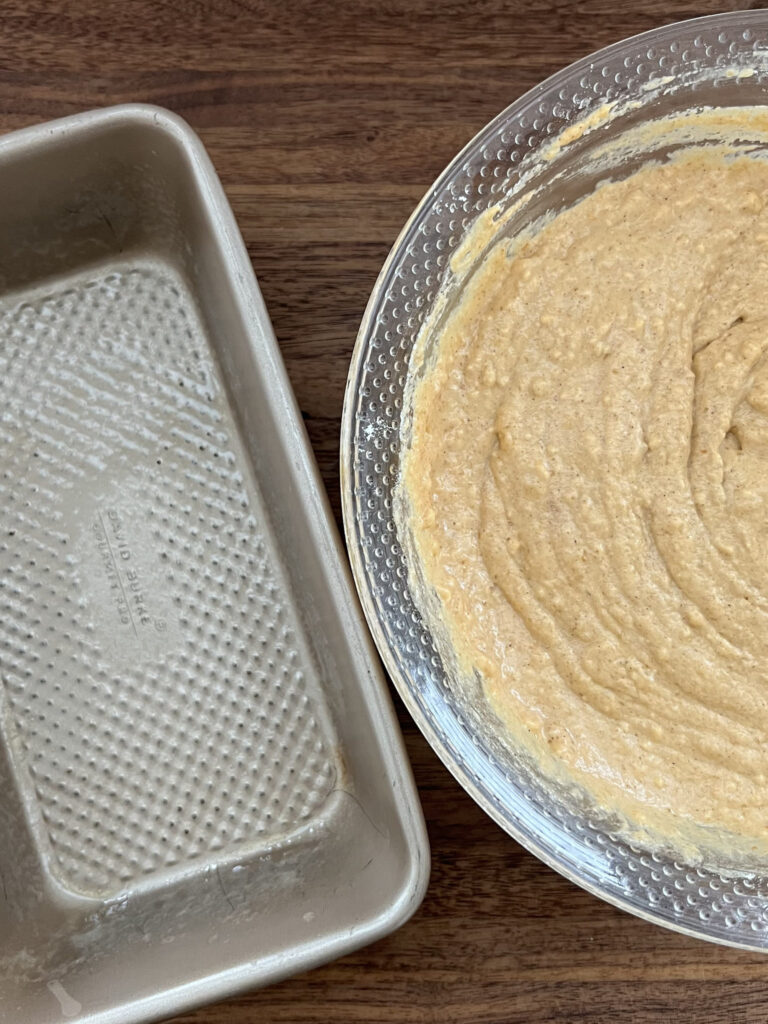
<point x="327" y="121"/>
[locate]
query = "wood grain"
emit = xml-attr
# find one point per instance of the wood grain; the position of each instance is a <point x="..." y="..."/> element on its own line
<point x="327" y="121"/>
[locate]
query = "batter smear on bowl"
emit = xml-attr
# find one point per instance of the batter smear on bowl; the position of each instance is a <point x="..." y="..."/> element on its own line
<point x="587" y="483"/>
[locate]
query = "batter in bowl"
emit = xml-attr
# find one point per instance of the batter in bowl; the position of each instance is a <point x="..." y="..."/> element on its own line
<point x="587" y="486"/>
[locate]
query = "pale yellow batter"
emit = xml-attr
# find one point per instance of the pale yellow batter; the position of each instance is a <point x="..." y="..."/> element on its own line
<point x="588" y="490"/>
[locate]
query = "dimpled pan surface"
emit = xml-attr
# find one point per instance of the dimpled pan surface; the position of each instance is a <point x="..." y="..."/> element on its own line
<point x="202" y="787"/>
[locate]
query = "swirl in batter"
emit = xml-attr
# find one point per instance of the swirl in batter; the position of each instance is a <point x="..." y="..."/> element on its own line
<point x="588" y="489"/>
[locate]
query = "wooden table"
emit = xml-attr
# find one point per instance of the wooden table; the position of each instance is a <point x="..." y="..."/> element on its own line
<point x="327" y="122"/>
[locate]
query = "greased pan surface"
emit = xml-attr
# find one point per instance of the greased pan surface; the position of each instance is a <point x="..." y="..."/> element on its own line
<point x="202" y="786"/>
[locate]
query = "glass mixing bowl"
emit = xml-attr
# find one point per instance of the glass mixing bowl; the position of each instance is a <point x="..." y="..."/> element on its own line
<point x="712" y="61"/>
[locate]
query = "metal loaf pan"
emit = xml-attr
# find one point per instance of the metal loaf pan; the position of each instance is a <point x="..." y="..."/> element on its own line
<point x="202" y="786"/>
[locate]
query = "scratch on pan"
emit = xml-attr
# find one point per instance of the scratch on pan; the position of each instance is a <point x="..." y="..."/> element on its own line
<point x="69" y="1006"/>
